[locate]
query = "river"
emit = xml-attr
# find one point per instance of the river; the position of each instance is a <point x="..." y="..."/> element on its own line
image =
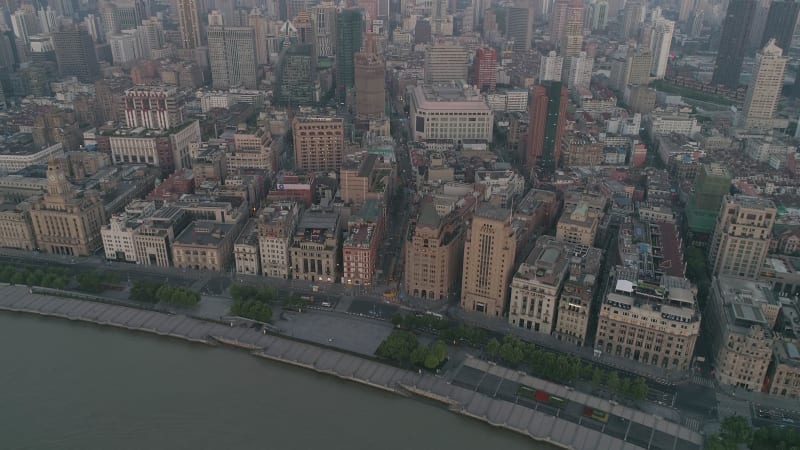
<point x="66" y="385"/>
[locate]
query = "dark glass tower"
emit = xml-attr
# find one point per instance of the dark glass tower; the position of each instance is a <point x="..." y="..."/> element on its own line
<point x="349" y="28"/>
<point x="735" y="28"/>
<point x="781" y="19"/>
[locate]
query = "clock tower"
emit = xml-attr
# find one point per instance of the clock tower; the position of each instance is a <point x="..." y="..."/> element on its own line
<point x="57" y="183"/>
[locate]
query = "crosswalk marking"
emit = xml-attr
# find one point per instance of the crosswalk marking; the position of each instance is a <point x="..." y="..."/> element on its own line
<point x="691" y="423"/>
<point x="702" y="381"/>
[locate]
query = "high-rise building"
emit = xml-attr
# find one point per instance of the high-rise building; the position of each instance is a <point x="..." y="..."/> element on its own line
<point x="441" y="22"/>
<point x="550" y="67"/>
<point x="713" y="182"/>
<point x="572" y="40"/>
<point x="685" y="10"/>
<point x="232" y="56"/>
<point x="558" y="20"/>
<point x="632" y="18"/>
<point x="599" y="15"/>
<point x="64" y="222"/>
<point x="578" y="73"/>
<point x="349" y="25"/>
<point x="125" y="47"/>
<point x="189" y="23"/>
<point x="433" y="254"/>
<point x="324" y="18"/>
<point x="758" y="26"/>
<point x="484" y="68"/>
<point x="296" y="76"/>
<point x="742" y="236"/>
<point x="735" y="29"/>
<point x="781" y="20"/>
<point x="519" y="24"/>
<point x="537" y="285"/>
<point x="445" y="62"/>
<point x="75" y="54"/>
<point x="318" y="143"/>
<point x="489" y="253"/>
<point x="370" y="72"/>
<point x="260" y="25"/>
<point x="764" y="89"/>
<point x="637" y="67"/>
<point x="660" y="44"/>
<point x="153" y="107"/>
<point x="24" y="24"/>
<point x="546" y="125"/>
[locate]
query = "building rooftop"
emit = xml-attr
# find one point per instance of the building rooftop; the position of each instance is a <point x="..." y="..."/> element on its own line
<point x="249" y="235"/>
<point x="360" y="235"/>
<point x="204" y="233"/>
<point x="742" y="302"/>
<point x="449" y="97"/>
<point x="547" y="263"/>
<point x="489" y="211"/>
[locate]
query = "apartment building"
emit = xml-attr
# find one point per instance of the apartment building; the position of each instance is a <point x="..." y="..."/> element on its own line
<point x="741" y="315"/>
<point x="537" y="285"/>
<point x="742" y="236"/>
<point x="276" y="226"/>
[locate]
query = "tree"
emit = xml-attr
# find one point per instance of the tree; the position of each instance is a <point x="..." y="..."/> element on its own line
<point x="639" y="389"/>
<point x="612" y="382"/>
<point x="597" y="377"/>
<point x="398" y="346"/>
<point x="493" y="348"/>
<point x="397" y="320"/>
<point x="736" y="429"/>
<point x="419" y="355"/>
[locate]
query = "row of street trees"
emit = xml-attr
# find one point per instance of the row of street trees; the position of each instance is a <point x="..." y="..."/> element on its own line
<point x="736" y="433"/>
<point x="562" y="368"/>
<point x="449" y="331"/>
<point x="403" y="347"/>
<point x="697" y="272"/>
<point x="54" y="278"/>
<point x="148" y="292"/>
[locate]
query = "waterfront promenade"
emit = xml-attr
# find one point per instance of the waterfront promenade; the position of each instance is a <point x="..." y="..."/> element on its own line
<point x="536" y="423"/>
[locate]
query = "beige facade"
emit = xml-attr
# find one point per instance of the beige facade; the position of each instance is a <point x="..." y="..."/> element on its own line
<point x="204" y="245"/>
<point x="315" y="248"/>
<point x="66" y="222"/>
<point x="536" y="287"/>
<point x="578" y="225"/>
<point x="489" y="253"/>
<point x="118" y="239"/>
<point x="784" y="377"/>
<point x="152" y="240"/>
<point x="276" y="228"/>
<point x="575" y="303"/>
<point x="742" y="236"/>
<point x="318" y="143"/>
<point x="740" y="333"/>
<point x="16" y="230"/>
<point x="764" y="89"/>
<point x="245" y="250"/>
<point x="251" y="149"/>
<point x="432" y="255"/>
<point x="656" y="324"/>
<point x="366" y="179"/>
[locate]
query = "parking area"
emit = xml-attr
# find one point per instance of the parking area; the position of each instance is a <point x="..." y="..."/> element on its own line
<point x="777" y="417"/>
<point x="618" y="427"/>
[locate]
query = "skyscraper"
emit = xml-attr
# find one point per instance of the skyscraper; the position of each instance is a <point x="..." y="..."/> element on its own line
<point x="370" y="85"/>
<point x="75" y="54"/>
<point x="599" y="15"/>
<point x="572" y="40"/>
<point x="546" y="125"/>
<point x="260" y="25"/>
<point x="781" y="20"/>
<point x="445" y="62"/>
<point x="764" y="89"/>
<point x="189" y="23"/>
<point x="324" y="18"/>
<point x="558" y="20"/>
<point x="686" y="9"/>
<point x="579" y="74"/>
<point x="661" y="44"/>
<point x="348" y="42"/>
<point x="519" y="24"/>
<point x="485" y="68"/>
<point x="296" y="84"/>
<point x="232" y="56"/>
<point x="632" y="18"/>
<point x="712" y="183"/>
<point x="489" y="254"/>
<point x="735" y="28"/>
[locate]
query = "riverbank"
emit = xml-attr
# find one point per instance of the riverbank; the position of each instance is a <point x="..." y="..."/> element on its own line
<point x="523" y="420"/>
